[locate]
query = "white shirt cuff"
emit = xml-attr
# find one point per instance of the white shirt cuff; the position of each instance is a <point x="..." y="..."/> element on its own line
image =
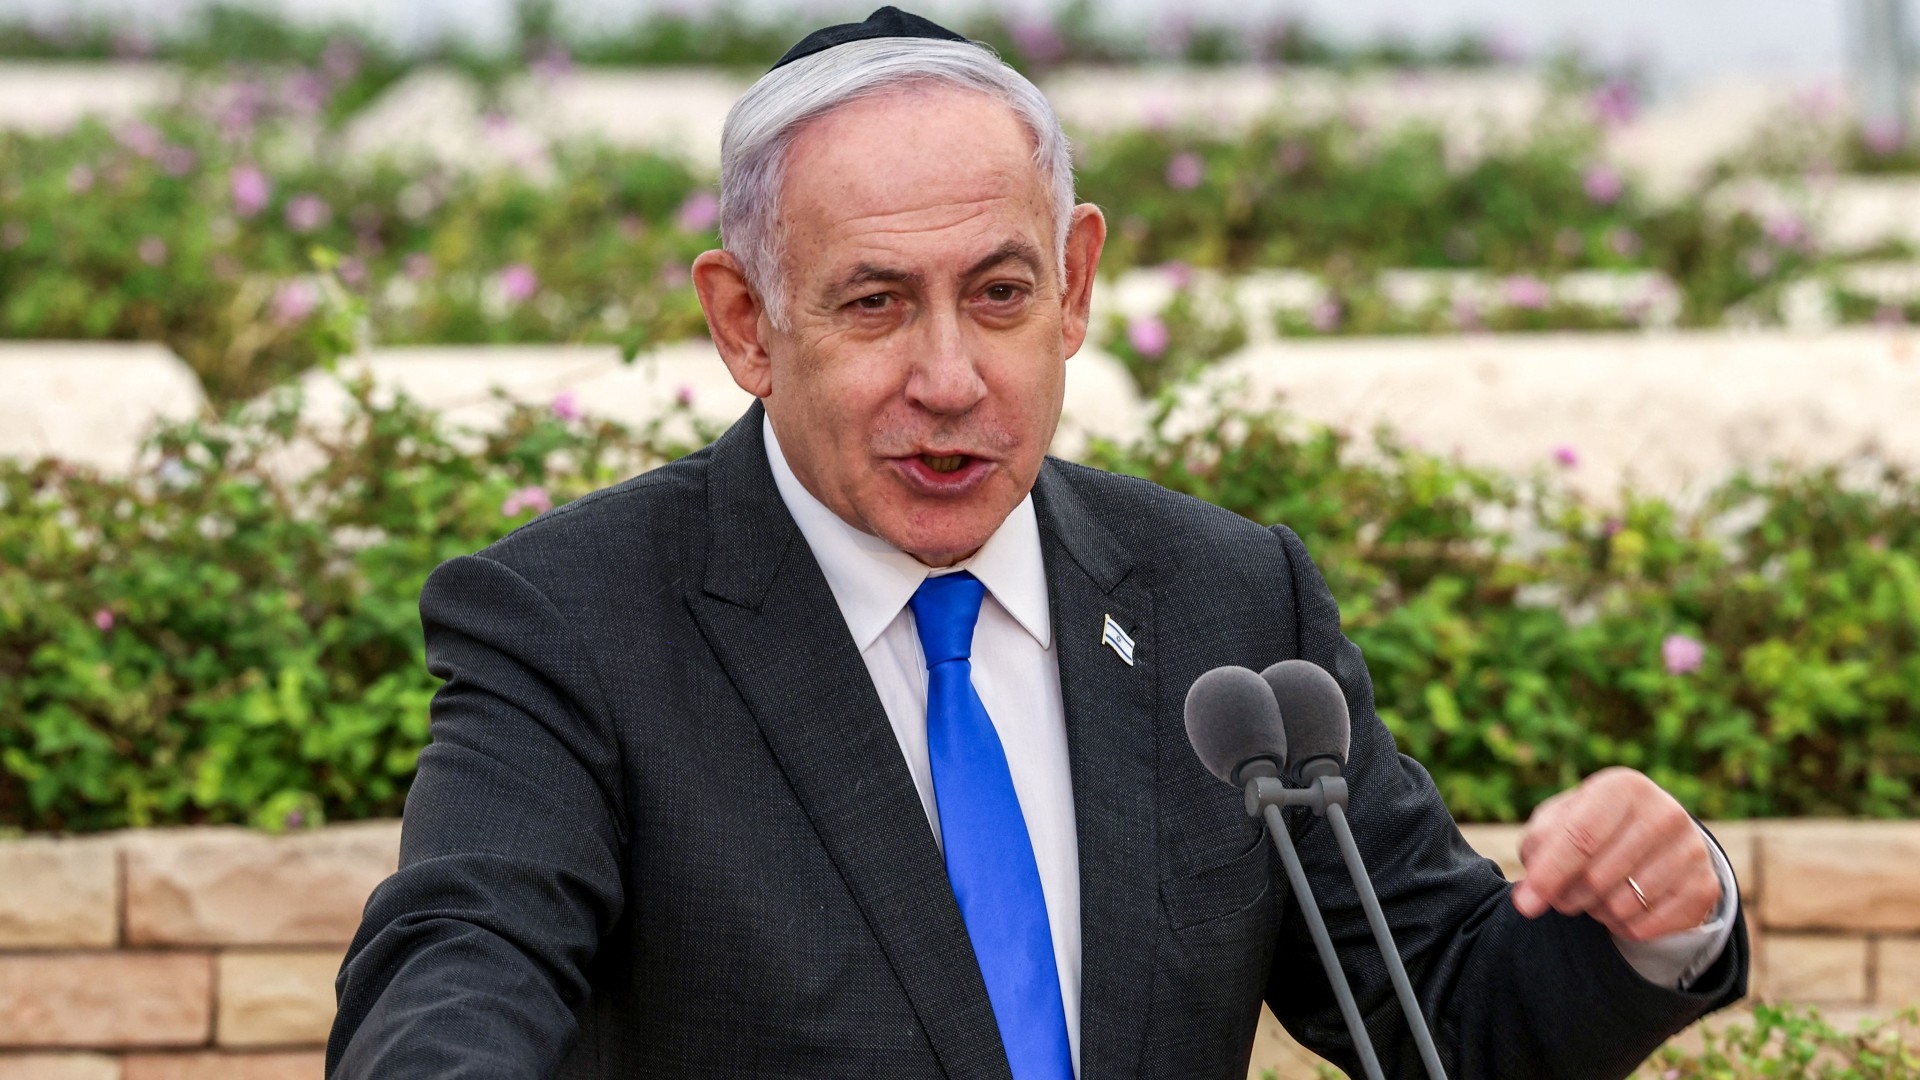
<point x="1675" y="960"/>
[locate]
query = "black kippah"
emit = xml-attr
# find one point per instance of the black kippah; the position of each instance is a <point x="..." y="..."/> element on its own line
<point x="888" y="22"/>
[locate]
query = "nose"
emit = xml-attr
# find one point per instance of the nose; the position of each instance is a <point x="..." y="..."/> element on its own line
<point x="945" y="377"/>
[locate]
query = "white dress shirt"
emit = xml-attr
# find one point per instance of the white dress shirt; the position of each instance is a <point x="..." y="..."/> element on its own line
<point x="1016" y="672"/>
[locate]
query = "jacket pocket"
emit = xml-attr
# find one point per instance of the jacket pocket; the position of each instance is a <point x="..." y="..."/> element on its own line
<point x="1219" y="891"/>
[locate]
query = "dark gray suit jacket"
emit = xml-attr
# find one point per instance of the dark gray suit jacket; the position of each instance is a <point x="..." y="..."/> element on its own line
<point x="664" y="828"/>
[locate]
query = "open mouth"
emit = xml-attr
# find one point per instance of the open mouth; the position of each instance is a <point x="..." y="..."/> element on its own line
<point x="945" y="463"/>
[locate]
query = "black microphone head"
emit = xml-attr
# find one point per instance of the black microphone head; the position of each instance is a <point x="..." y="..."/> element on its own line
<point x="1315" y="709"/>
<point x="1232" y="719"/>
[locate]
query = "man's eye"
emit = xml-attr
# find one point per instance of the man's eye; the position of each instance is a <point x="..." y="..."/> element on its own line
<point x="1003" y="294"/>
<point x="872" y="303"/>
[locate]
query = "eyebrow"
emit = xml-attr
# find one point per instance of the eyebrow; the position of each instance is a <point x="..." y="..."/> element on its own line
<point x="1019" y="251"/>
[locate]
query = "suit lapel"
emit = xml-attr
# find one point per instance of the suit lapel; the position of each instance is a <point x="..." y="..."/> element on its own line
<point x="1110" y="738"/>
<point x="767" y="612"/>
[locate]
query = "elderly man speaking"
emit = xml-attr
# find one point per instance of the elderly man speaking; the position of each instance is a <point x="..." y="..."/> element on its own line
<point x="852" y="745"/>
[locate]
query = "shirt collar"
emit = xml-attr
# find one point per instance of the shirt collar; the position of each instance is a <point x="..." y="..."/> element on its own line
<point x="872" y="580"/>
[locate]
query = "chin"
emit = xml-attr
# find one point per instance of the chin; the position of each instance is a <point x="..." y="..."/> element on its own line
<point x="941" y="546"/>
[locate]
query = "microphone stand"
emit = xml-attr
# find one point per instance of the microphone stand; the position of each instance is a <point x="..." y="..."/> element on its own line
<point x="1261" y="804"/>
<point x="1326" y="796"/>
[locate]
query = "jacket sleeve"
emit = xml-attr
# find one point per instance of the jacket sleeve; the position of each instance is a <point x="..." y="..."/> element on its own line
<point x="1505" y="996"/>
<point x="472" y="960"/>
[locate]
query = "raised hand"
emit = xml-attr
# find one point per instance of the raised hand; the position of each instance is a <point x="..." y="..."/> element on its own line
<point x="1618" y="848"/>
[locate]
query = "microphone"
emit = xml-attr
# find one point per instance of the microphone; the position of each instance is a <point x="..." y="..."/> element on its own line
<point x="1314" y="709"/>
<point x="1234" y="724"/>
<point x="1319" y="728"/>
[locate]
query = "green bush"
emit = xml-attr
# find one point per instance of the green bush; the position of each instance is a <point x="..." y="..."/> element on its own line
<point x="1789" y="1043"/>
<point x="208" y="640"/>
<point x="1758" y="655"/>
<point x="1782" y="1043"/>
<point x="246" y="243"/>
<point x="224" y="34"/>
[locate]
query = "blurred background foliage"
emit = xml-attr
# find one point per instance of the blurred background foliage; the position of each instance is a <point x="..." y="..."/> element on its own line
<point x="247" y="242"/>
<point x="229" y="634"/>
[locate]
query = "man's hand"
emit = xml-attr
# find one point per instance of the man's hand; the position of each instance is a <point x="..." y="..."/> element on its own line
<point x="1582" y="846"/>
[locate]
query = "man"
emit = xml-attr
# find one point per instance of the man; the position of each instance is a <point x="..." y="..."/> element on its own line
<point x="853" y="745"/>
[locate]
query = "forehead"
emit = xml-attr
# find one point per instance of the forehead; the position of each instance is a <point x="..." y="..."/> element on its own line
<point x="910" y="166"/>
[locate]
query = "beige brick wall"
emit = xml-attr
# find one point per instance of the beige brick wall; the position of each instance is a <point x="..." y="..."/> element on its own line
<point x="210" y="954"/>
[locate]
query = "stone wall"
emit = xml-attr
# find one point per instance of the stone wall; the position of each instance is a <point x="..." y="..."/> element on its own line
<point x="210" y="953"/>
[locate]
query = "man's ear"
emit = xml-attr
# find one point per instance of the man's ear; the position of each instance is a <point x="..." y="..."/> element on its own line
<point x="1086" y="237"/>
<point x="734" y="319"/>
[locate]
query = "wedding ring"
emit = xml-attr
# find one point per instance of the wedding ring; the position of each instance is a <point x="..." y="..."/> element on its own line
<point x="1638" y="895"/>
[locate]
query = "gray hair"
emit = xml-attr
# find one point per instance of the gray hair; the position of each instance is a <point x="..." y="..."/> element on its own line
<point x="762" y="125"/>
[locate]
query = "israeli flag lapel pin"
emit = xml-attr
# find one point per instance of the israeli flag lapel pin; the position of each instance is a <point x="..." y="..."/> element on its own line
<point x="1116" y="639"/>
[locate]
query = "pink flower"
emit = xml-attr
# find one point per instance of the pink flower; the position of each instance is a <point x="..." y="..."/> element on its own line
<point x="176" y="160"/>
<point x="295" y="301"/>
<point x="1615" y="103"/>
<point x="1179" y="274"/>
<point x="153" y="251"/>
<point x="306" y="93"/>
<point x="566" y="406"/>
<point x="353" y="271"/>
<point x="1039" y="41"/>
<point x="1786" y="230"/>
<point x="698" y="213"/>
<point x="1624" y="242"/>
<point x="1185" y="171"/>
<point x="341" y="59"/>
<point x="1148" y="335"/>
<point x="80" y="180"/>
<point x="250" y="190"/>
<point x="1682" y="654"/>
<point x="1527" y="293"/>
<point x="142" y="139"/>
<point x="518" y="283"/>
<point x="1603" y="185"/>
<point x="523" y="499"/>
<point x="1326" y="316"/>
<point x="103" y="619"/>
<point x="1883" y="137"/>
<point x="683" y="396"/>
<point x="305" y="213"/>
<point x="1466" y="313"/>
<point x="551" y="62"/>
<point x="1566" y="456"/>
<point x="1291" y="157"/>
<point x="418" y="266"/>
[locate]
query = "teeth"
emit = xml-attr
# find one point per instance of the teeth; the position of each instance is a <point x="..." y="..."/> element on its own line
<point x="945" y="463"/>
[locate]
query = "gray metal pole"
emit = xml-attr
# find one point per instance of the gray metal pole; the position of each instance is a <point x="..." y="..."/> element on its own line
<point x="1881" y="79"/>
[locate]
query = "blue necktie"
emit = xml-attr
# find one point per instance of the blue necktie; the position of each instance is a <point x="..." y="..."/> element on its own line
<point x="989" y="855"/>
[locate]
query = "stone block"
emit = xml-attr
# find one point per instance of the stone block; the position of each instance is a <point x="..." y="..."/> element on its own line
<point x="90" y="402"/>
<point x="1740" y="840"/>
<point x="1274" y="1049"/>
<point x="58" y="894"/>
<point x="1671" y="412"/>
<point x="59" y="1067"/>
<point x="1897" y="972"/>
<point x="101" y="1000"/>
<point x="1815" y="969"/>
<point x="232" y="886"/>
<point x="297" y="1065"/>
<point x="1855" y="876"/>
<point x="276" y="998"/>
<point x="1501" y="843"/>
